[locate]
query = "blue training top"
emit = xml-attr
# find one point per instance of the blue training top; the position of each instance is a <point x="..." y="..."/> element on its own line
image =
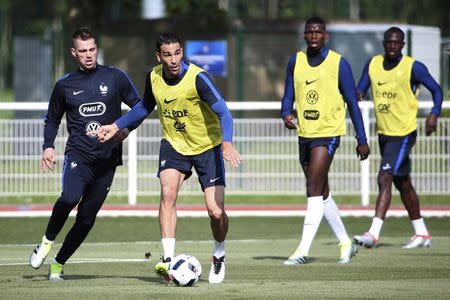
<point x="89" y="99"/>
<point x="346" y="87"/>
<point x="205" y="89"/>
<point x="419" y="75"/>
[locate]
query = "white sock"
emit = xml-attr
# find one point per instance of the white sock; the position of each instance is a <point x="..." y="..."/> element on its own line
<point x="168" y="247"/>
<point x="375" y="229"/>
<point x="47" y="241"/>
<point x="314" y="214"/>
<point x="219" y="249"/>
<point x="331" y="214"/>
<point x="419" y="227"/>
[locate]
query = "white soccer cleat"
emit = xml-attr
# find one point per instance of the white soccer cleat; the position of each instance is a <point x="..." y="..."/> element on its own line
<point x="418" y="241"/>
<point x="367" y="240"/>
<point x="39" y="254"/>
<point x="217" y="272"/>
<point x="299" y="260"/>
<point x="348" y="250"/>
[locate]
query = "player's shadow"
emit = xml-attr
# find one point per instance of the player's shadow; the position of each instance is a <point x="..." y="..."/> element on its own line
<point x="88" y="277"/>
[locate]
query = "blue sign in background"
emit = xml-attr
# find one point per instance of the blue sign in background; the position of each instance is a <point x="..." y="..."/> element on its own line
<point x="208" y="55"/>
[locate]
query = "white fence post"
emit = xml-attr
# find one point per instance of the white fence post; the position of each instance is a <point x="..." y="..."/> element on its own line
<point x="365" y="164"/>
<point x="132" y="168"/>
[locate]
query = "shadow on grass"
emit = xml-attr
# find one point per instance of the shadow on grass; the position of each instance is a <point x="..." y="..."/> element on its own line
<point x="88" y="277"/>
<point x="277" y="258"/>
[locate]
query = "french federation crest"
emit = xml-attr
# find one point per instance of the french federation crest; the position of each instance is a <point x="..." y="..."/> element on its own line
<point x="103" y="89"/>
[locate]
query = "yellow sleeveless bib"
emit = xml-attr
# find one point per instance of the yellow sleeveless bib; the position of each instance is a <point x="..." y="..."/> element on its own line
<point x="188" y="123"/>
<point x="395" y="104"/>
<point x="320" y="105"/>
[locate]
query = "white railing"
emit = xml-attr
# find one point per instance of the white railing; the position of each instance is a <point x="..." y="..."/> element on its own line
<point x="270" y="158"/>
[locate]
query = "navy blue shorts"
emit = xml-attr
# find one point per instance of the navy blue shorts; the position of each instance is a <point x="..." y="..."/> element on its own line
<point x="395" y="152"/>
<point x="306" y="144"/>
<point x="208" y="165"/>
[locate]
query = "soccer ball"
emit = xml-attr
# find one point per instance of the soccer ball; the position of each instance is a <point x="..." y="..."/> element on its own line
<point x="185" y="270"/>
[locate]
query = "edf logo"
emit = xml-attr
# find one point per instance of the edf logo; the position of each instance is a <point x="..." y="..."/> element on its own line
<point x="386" y="95"/>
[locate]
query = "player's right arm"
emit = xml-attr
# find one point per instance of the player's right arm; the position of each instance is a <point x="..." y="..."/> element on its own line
<point x="287" y="103"/>
<point x="364" y="82"/>
<point x="55" y="111"/>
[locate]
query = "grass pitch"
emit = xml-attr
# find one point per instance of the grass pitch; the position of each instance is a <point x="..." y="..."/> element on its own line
<point x="111" y="263"/>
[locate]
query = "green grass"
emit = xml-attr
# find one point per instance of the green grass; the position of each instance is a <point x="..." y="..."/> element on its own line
<point x="231" y="199"/>
<point x="256" y="248"/>
<point x="6" y="95"/>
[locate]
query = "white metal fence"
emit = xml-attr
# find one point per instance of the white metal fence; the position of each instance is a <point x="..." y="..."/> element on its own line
<point x="270" y="158"/>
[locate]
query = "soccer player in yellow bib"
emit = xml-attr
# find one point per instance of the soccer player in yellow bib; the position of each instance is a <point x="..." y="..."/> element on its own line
<point x="320" y="81"/>
<point x="394" y="80"/>
<point x="197" y="132"/>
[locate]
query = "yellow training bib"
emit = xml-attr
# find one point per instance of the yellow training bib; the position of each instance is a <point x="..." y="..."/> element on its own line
<point x="188" y="123"/>
<point x="395" y="104"/>
<point x="320" y="105"/>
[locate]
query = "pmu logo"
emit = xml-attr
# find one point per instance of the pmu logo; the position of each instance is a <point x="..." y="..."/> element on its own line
<point x="92" y="128"/>
<point x="180" y="126"/>
<point x="92" y="109"/>
<point x="312" y="97"/>
<point x="311" y="114"/>
<point x="383" y="108"/>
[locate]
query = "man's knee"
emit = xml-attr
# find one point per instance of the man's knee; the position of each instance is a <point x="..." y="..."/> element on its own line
<point x="69" y="200"/>
<point x="168" y="195"/>
<point x="86" y="222"/>
<point x="403" y="183"/>
<point x="385" y="180"/>
<point x="216" y="213"/>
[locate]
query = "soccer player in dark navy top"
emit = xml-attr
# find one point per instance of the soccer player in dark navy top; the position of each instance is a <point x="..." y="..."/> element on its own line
<point x="90" y="96"/>
<point x="197" y="132"/>
<point x="320" y="81"/>
<point x="394" y="79"/>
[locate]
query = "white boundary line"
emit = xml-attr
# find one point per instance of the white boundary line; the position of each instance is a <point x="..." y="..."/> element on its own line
<point x="231" y="213"/>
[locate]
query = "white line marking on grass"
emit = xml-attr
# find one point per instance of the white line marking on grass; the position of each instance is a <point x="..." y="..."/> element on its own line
<point x="231" y="213"/>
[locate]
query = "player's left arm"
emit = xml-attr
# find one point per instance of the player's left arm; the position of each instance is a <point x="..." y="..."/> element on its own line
<point x="211" y="95"/>
<point x="348" y="91"/>
<point x="421" y="75"/>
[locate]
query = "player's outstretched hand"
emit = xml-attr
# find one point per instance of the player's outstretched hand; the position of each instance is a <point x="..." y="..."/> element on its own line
<point x="362" y="151"/>
<point x="48" y="159"/>
<point x="289" y="122"/>
<point x="106" y="132"/>
<point x="431" y="124"/>
<point x="231" y="154"/>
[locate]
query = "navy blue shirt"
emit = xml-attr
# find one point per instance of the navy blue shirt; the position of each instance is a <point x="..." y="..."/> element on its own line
<point x="205" y="89"/>
<point x="346" y="87"/>
<point x="419" y="75"/>
<point x="89" y="99"/>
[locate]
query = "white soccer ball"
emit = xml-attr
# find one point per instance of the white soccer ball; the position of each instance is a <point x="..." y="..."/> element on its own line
<point x="185" y="270"/>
